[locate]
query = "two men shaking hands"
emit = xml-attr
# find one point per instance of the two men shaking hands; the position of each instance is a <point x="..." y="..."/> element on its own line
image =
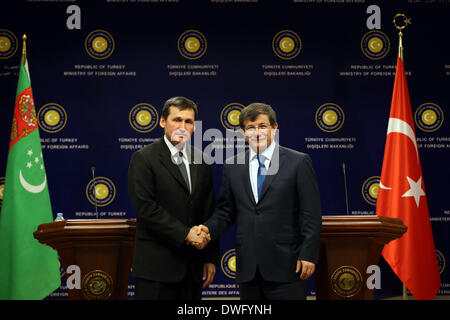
<point x="198" y="236"/>
<point x="269" y="191"/>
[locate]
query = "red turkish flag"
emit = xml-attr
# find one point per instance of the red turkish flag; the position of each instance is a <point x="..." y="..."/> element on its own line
<point x="402" y="195"/>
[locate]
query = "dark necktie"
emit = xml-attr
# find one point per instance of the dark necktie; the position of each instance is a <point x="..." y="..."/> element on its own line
<point x="261" y="174"/>
<point x="182" y="167"/>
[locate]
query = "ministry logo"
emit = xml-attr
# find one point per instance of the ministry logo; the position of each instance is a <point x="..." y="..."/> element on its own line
<point x="143" y="117"/>
<point x="192" y="44"/>
<point x="8" y="44"/>
<point x="329" y="117"/>
<point x="375" y="45"/>
<point x="429" y="117"/>
<point x="286" y="44"/>
<point x="228" y="264"/>
<point x="100" y="191"/>
<point x="370" y="190"/>
<point x="52" y="117"/>
<point x="229" y="117"/>
<point x="99" y="44"/>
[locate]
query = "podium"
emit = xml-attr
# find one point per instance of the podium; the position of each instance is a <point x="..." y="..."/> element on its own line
<point x="348" y="246"/>
<point x="101" y="248"/>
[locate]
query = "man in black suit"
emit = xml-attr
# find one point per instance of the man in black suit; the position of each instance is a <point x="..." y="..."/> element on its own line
<point x="272" y="193"/>
<point x="171" y="190"/>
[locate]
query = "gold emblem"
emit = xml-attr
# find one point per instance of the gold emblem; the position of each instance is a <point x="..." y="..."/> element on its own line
<point x="99" y="44"/>
<point x="97" y="285"/>
<point x="192" y="44"/>
<point x="346" y="281"/>
<point x="286" y="44"/>
<point x="375" y="44"/>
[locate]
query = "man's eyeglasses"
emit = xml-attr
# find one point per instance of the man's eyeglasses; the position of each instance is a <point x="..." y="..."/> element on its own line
<point x="261" y="127"/>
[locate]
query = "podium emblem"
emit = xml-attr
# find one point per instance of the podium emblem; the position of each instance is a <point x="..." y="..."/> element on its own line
<point x="346" y="281"/>
<point x="97" y="285"/>
<point x="228" y="264"/>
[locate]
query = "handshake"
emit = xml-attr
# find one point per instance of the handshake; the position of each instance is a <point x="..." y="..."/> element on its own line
<point x="198" y="236"/>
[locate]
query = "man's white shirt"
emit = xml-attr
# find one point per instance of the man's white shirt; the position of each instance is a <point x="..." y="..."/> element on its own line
<point x="174" y="151"/>
<point x="254" y="165"/>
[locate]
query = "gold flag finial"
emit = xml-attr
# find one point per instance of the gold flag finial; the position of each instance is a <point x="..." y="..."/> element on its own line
<point x="24" y="48"/>
<point x="406" y="21"/>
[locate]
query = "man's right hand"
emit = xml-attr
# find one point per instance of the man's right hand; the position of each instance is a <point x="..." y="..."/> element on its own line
<point x="198" y="236"/>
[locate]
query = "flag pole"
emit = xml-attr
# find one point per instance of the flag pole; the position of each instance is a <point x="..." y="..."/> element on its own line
<point x="400" y="33"/>
<point x="24" y="48"/>
<point x="400" y="54"/>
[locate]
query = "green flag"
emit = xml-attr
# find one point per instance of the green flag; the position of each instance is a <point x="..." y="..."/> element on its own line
<point x="28" y="269"/>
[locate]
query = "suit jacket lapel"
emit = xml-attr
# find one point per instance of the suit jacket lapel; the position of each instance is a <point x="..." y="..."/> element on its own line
<point x="166" y="160"/>
<point x="245" y="176"/>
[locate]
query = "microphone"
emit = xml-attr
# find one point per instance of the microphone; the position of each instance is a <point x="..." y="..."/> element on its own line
<point x="345" y="187"/>
<point x="95" y="196"/>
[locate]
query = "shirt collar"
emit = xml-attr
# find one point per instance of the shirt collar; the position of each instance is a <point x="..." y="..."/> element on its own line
<point x="175" y="149"/>
<point x="266" y="153"/>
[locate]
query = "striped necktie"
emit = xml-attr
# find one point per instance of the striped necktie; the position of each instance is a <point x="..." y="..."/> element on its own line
<point x="261" y="174"/>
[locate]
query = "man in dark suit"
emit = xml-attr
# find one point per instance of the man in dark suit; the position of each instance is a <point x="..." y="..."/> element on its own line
<point x="272" y="193"/>
<point x="171" y="189"/>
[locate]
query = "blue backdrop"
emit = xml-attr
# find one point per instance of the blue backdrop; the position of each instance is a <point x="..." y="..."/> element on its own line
<point x="101" y="71"/>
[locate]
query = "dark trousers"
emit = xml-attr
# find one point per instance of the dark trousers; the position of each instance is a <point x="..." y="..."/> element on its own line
<point x="187" y="289"/>
<point x="260" y="289"/>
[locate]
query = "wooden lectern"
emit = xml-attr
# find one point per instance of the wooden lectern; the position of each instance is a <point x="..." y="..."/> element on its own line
<point x="348" y="245"/>
<point x="101" y="248"/>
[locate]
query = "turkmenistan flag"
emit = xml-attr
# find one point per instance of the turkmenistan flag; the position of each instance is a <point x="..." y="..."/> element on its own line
<point x="28" y="269"/>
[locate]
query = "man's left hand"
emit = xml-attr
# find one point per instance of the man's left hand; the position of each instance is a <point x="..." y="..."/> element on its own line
<point x="306" y="267"/>
<point x="209" y="271"/>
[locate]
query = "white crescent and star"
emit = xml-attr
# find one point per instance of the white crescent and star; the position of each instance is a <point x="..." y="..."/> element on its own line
<point x="25" y="184"/>
<point x="284" y="44"/>
<point x="399" y="126"/>
<point x="32" y="188"/>
<point x="96" y="44"/>
<point x="99" y="192"/>
<point x="382" y="186"/>
<point x="141" y="119"/>
<point x="415" y="190"/>
<point x="328" y="119"/>
<point x="50" y="117"/>
<point x="188" y="44"/>
<point x="429" y="117"/>
<point x="374" y="45"/>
